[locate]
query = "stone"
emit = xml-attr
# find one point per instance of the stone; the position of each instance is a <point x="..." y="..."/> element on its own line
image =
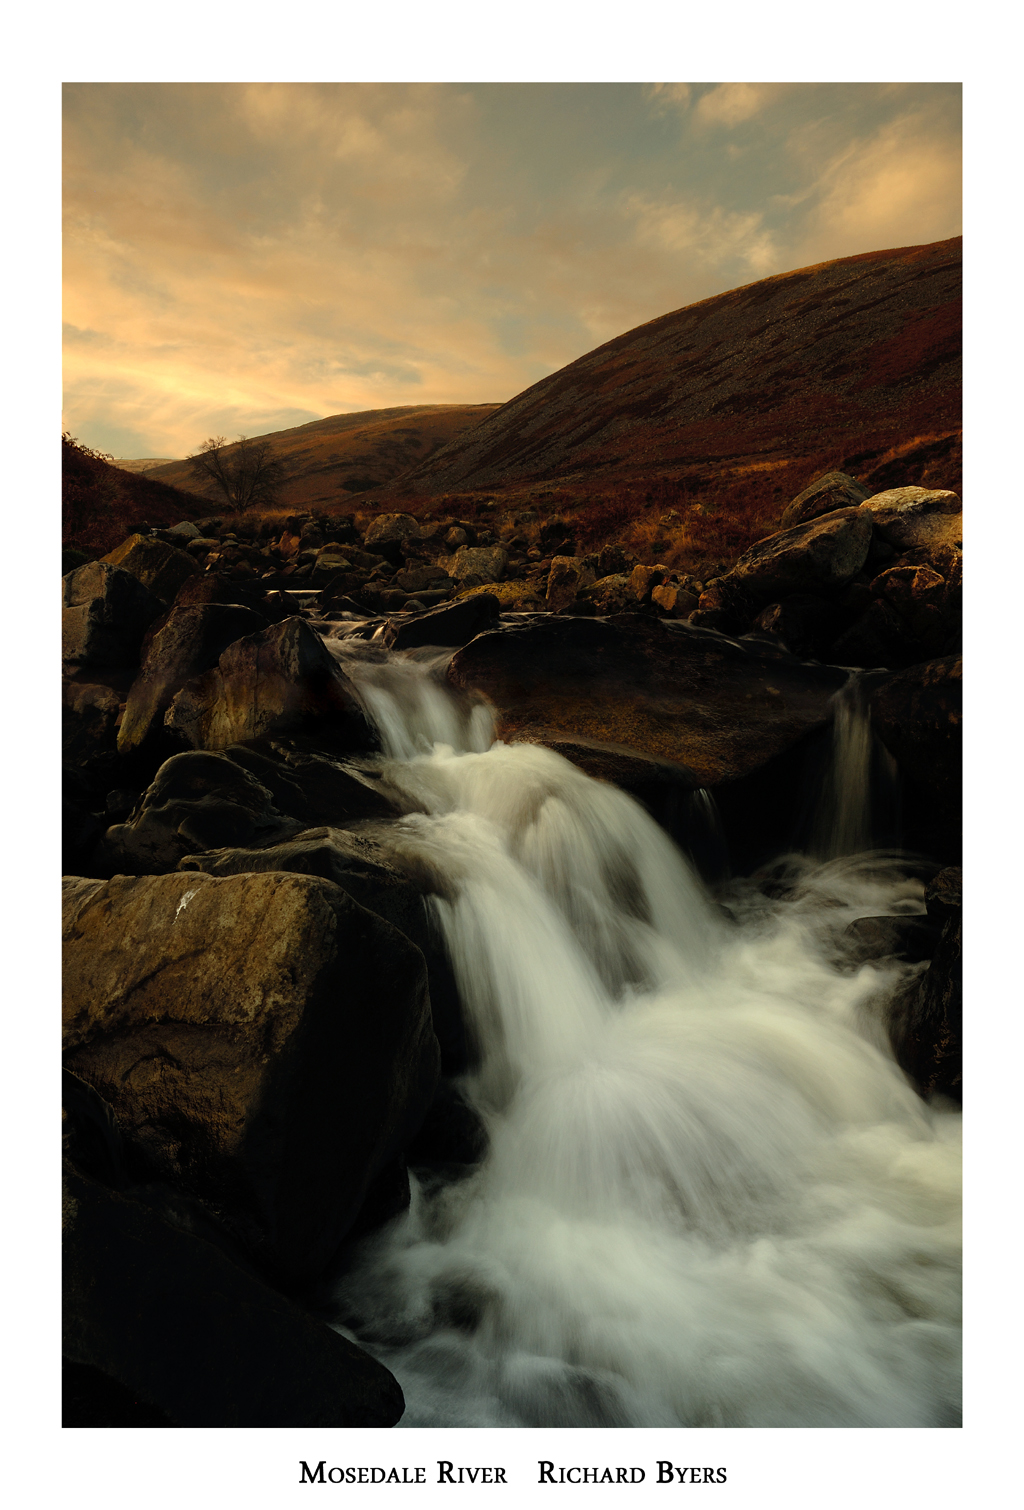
<point x="568" y="576"/>
<point x="186" y="530"/>
<point x="391" y="527"/>
<point x="943" y="896"/>
<point x="613" y="561"/>
<point x="644" y="579"/>
<point x="835" y="490"/>
<point x="190" y="641"/>
<point x="198" y="1339"/>
<point x="310" y="784"/>
<point x="878" y="637"/>
<point x="160" y="567"/>
<point x="908" y="518"/>
<point x="910" y="938"/>
<point x="804" y="623"/>
<point x="423" y="578"/>
<point x="926" y="1020"/>
<point x="692" y="696"/>
<point x="488" y="562"/>
<point x="196" y="801"/>
<point x="451" y="624"/>
<point x="675" y="600"/>
<point x="820" y="557"/>
<point x="270" y="682"/>
<point x="612" y="594"/>
<point x="332" y="558"/>
<point x="264" y="1042"/>
<point x="106" y="612"/>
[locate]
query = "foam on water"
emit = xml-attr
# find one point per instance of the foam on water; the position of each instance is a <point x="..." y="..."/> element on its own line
<point x="710" y="1197"/>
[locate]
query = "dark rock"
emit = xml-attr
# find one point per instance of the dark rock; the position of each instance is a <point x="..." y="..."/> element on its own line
<point x="836" y="490"/>
<point x="160" y="567"/>
<point x="906" y="938"/>
<point x="106" y="613"/>
<point x="681" y="694"/>
<point x="451" y="624"/>
<point x="160" y="1328"/>
<point x="308" y="784"/>
<point x="943" y="896"/>
<point x="804" y="623"/>
<point x="388" y="527"/>
<point x="267" y="683"/>
<point x="568" y="576"/>
<point x="264" y="1042"/>
<point x="88" y="717"/>
<point x="190" y="641"/>
<point x="819" y="557"/>
<point x="879" y="637"/>
<point x="196" y="801"/>
<point x="488" y="563"/>
<point x="926" y="1020"/>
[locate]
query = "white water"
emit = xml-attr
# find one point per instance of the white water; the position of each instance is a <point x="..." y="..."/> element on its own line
<point x="710" y="1196"/>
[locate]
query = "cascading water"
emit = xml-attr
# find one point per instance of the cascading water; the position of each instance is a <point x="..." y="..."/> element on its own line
<point x="710" y="1197"/>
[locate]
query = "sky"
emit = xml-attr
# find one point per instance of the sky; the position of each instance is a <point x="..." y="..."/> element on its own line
<point x="239" y="258"/>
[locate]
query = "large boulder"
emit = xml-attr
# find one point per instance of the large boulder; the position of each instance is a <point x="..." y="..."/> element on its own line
<point x="106" y="612"/>
<point x="568" y="576"/>
<point x="311" y="784"/>
<point x="821" y="556"/>
<point x="196" y="801"/>
<point x="88" y="720"/>
<point x="688" y="695"/>
<point x="908" y="518"/>
<point x="918" y="714"/>
<point x="423" y="578"/>
<point x="836" y="490"/>
<point x="926" y="1018"/>
<point x="190" y="641"/>
<point x="448" y="624"/>
<point x="264" y="1041"/>
<point x="486" y="562"/>
<point x="159" y="566"/>
<point x="391" y="527"/>
<point x="168" y="1322"/>
<point x="274" y="681"/>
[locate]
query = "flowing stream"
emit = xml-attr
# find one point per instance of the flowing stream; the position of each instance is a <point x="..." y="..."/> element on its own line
<point x="710" y="1197"/>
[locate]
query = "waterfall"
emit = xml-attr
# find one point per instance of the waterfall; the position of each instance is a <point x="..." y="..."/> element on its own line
<point x="710" y="1197"/>
<point x="859" y="778"/>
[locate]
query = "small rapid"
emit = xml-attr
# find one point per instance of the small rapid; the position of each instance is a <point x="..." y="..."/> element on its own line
<point x="710" y="1197"/>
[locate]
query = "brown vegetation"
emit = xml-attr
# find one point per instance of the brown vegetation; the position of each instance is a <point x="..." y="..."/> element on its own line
<point x="101" y="504"/>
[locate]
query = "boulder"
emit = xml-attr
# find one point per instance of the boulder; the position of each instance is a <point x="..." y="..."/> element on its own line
<point x="684" y="694"/>
<point x="370" y="871"/>
<point x="644" y="579"/>
<point x="917" y="714"/>
<point x="106" y="612"/>
<point x="186" y="530"/>
<point x="908" y="518"/>
<point x="166" y="1321"/>
<point x="926" y="1020"/>
<point x="878" y="637"/>
<point x="675" y="600"/>
<point x="310" y="784"/>
<point x="190" y="640"/>
<point x="910" y="938"/>
<point x="943" y="897"/>
<point x="391" y="527"/>
<point x="819" y="557"/>
<point x="196" y="801"/>
<point x="450" y="624"/>
<point x="267" y="683"/>
<point x="160" y="567"/>
<point x="422" y="578"/>
<point x="568" y="576"/>
<point x="487" y="562"/>
<point x="88" y="717"/>
<point x="804" y="623"/>
<point x="264" y="1041"/>
<point x="612" y="594"/>
<point x="836" y="490"/>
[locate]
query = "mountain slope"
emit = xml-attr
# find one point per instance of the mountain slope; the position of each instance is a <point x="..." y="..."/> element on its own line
<point x="328" y="461"/>
<point x="856" y="357"/>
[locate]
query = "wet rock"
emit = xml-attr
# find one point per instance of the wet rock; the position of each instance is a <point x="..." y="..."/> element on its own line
<point x="681" y="694"/>
<point x="819" y="557"/>
<point x="451" y="624"/>
<point x="943" y="896"/>
<point x="835" y="490"/>
<point x="568" y="577"/>
<point x="190" y="641"/>
<point x="196" y="801"/>
<point x="926" y="1019"/>
<point x="804" y="623"/>
<point x="88" y="719"/>
<point x="106" y="612"/>
<point x="917" y="714"/>
<point x="265" y="1043"/>
<point x="311" y="785"/>
<point x="908" y="518"/>
<point x="160" y="567"/>
<point x="904" y="938"/>
<point x="878" y="637"/>
<point x="179" y="1335"/>
<point x="267" y="683"/>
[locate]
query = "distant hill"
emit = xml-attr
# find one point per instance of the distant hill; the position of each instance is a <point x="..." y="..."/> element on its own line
<point x="331" y="461"/>
<point x="101" y="503"/>
<point x="728" y="407"/>
<point x="141" y="463"/>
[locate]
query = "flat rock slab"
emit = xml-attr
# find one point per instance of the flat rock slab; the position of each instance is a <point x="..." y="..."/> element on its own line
<point x="264" y="1041"/>
<point x="714" y="705"/>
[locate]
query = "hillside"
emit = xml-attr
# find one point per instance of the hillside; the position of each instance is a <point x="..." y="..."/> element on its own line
<point x="332" y="460"/>
<point x="727" y="408"/>
<point x="102" y="503"/>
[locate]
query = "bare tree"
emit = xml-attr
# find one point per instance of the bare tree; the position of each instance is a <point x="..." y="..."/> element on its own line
<point x="246" y="473"/>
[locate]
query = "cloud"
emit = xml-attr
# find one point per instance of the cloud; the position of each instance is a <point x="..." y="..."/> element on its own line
<point x="668" y="96"/>
<point x="707" y="233"/>
<point x="731" y="104"/>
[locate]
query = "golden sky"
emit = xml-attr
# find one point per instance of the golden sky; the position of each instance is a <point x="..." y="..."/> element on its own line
<point x="244" y="257"/>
